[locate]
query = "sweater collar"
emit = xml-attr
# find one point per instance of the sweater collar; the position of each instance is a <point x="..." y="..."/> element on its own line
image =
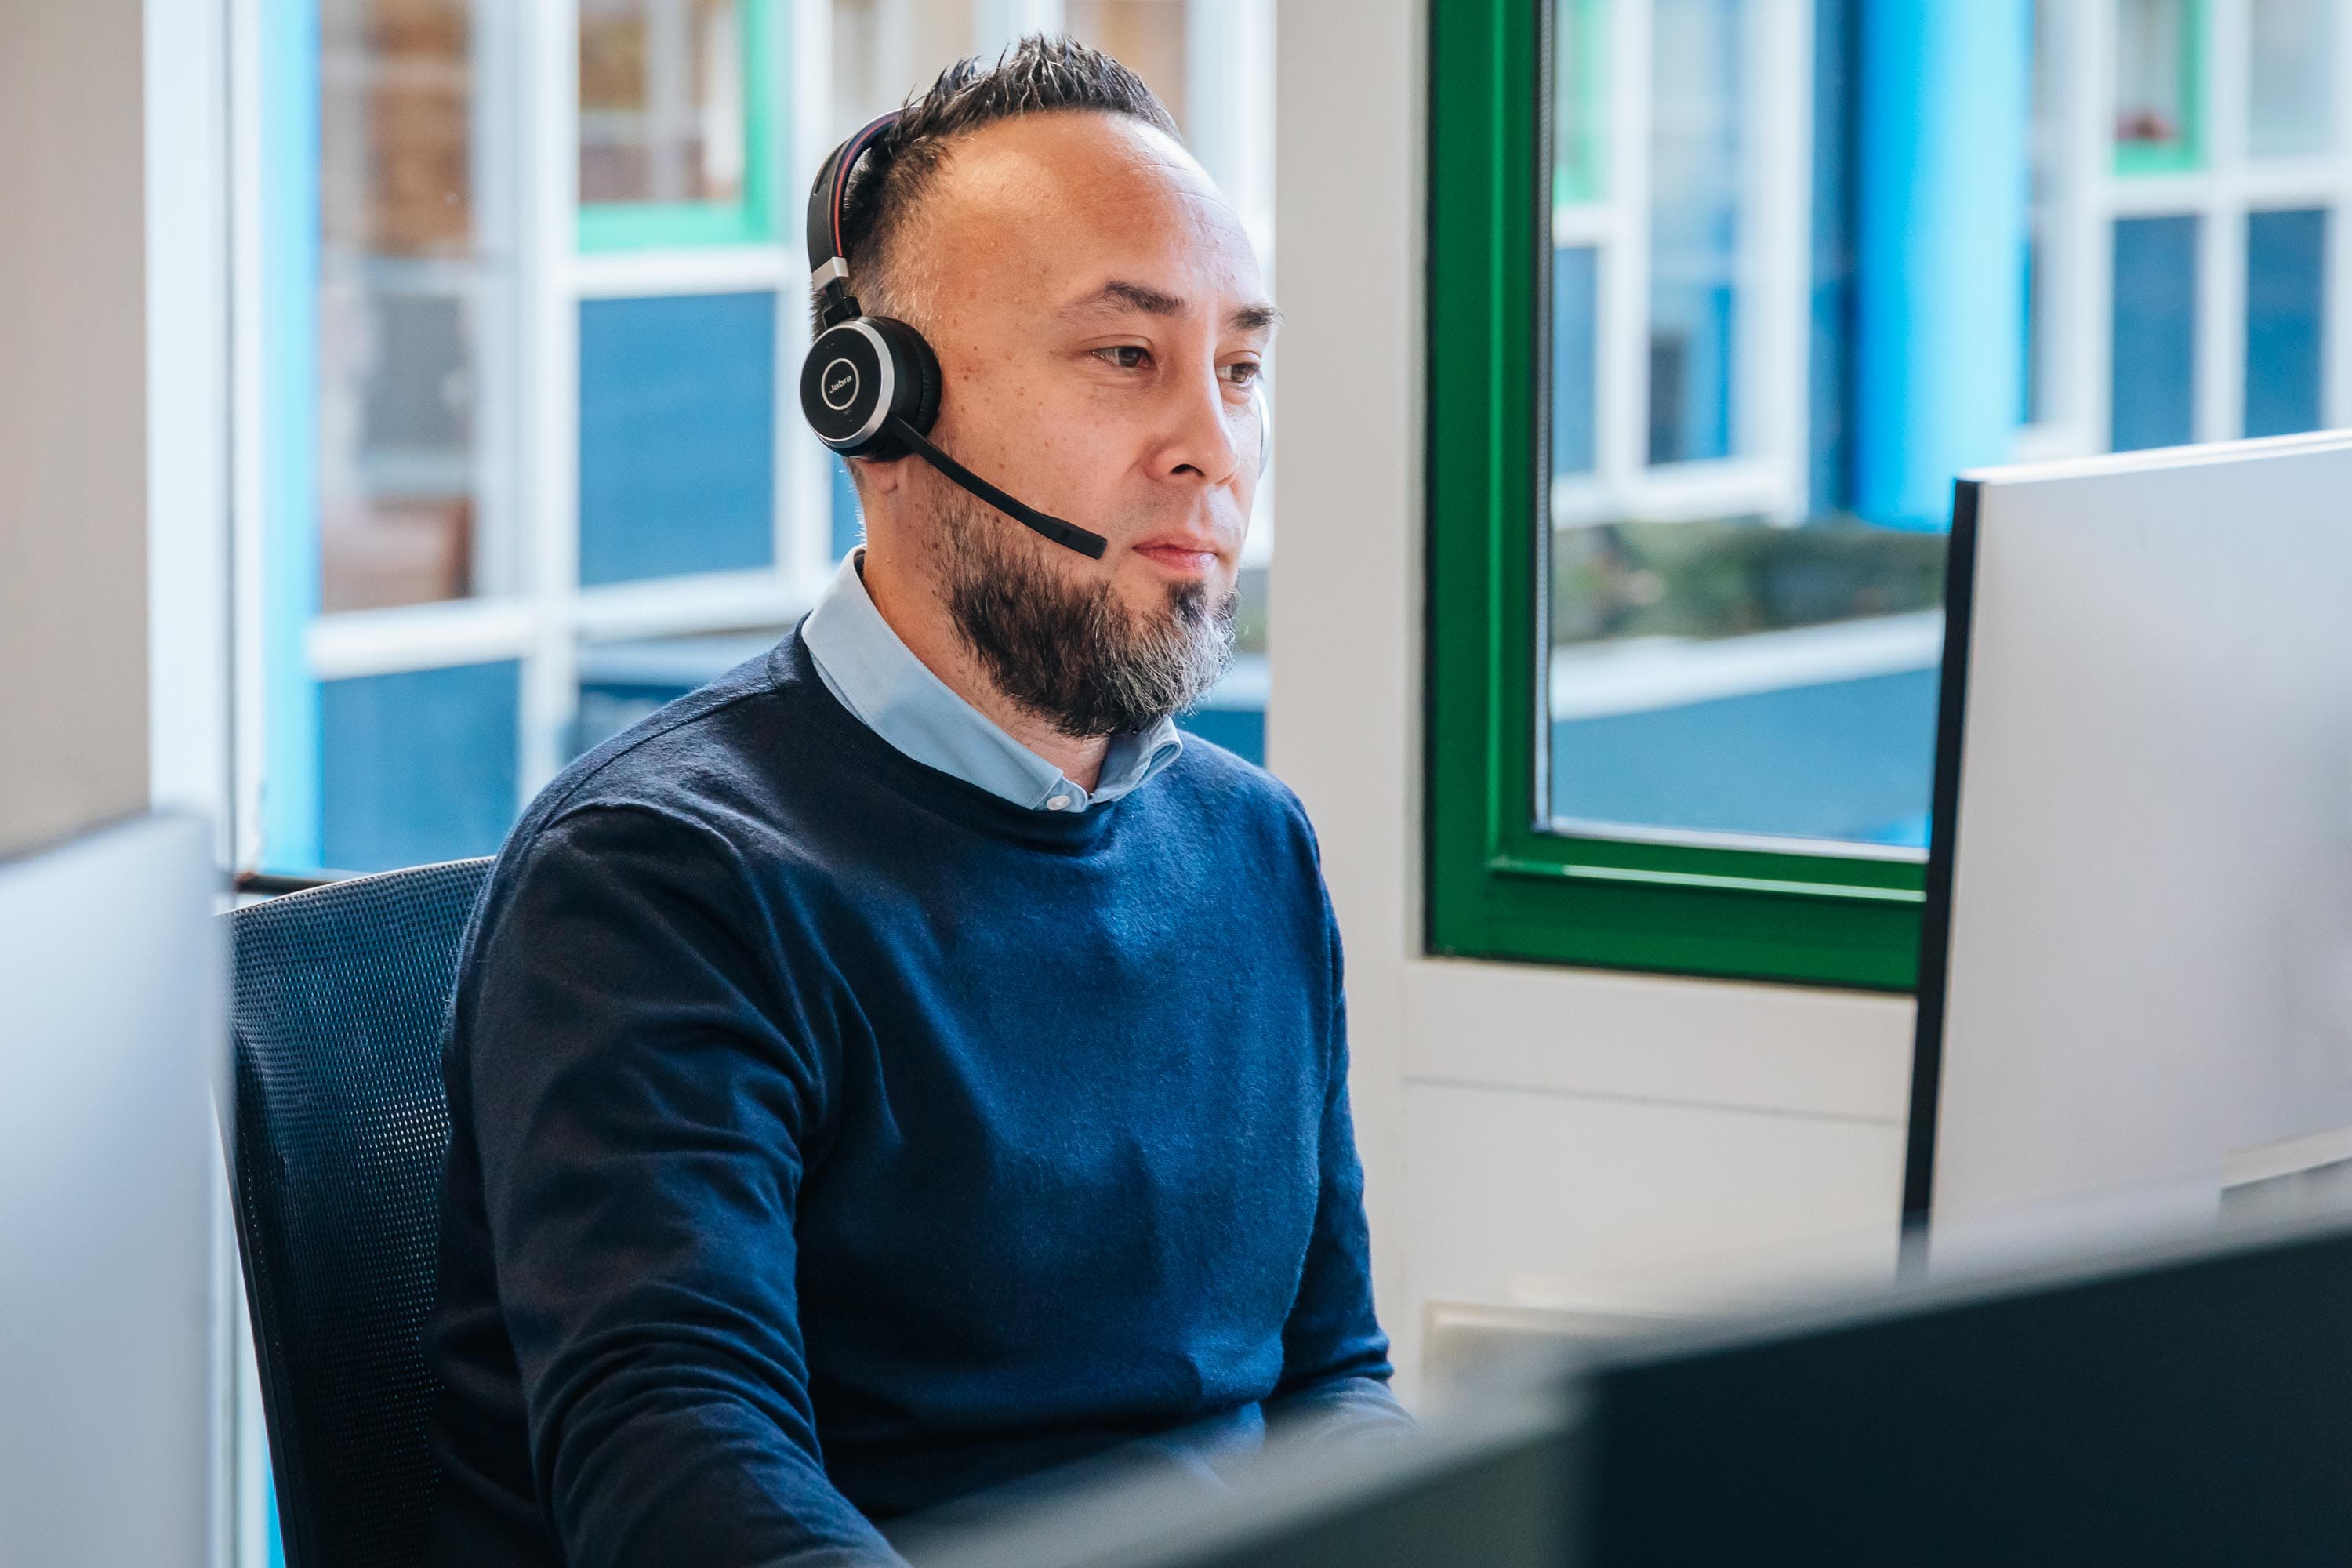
<point x="874" y="675"/>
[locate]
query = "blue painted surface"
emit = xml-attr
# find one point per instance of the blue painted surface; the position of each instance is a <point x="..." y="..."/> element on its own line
<point x="1241" y="730"/>
<point x="1848" y="760"/>
<point x="1697" y="171"/>
<point x="2287" y="320"/>
<point x="2155" y="355"/>
<point x="1941" y="202"/>
<point x="1575" y="279"/>
<point x="849" y="521"/>
<point x="677" y="432"/>
<point x="289" y="47"/>
<point x="422" y="765"/>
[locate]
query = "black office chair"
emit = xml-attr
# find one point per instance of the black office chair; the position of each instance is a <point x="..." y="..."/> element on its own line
<point x="340" y="1130"/>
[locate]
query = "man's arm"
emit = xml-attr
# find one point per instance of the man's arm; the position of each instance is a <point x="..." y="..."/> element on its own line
<point x="1335" y="1358"/>
<point x="641" y="1119"/>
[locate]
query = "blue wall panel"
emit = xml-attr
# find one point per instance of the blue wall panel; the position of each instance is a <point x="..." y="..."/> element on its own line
<point x="1575" y="281"/>
<point x="2155" y="354"/>
<point x="1241" y="730"/>
<point x="2287" y="320"/>
<point x="420" y="766"/>
<point x="1941" y="170"/>
<point x="678" y="435"/>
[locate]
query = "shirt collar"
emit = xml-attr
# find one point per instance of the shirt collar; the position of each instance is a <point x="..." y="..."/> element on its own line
<point x="877" y="678"/>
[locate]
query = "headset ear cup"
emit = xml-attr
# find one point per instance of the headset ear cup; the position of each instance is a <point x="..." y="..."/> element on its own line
<point x="914" y="385"/>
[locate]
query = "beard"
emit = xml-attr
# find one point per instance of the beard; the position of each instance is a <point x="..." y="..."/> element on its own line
<point x="1070" y="652"/>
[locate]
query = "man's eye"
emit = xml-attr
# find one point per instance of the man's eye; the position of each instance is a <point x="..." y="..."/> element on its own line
<point x="1127" y="356"/>
<point x="1243" y="372"/>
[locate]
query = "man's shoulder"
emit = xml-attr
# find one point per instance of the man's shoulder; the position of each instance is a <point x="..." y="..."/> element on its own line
<point x="1236" y="791"/>
<point x="697" y="769"/>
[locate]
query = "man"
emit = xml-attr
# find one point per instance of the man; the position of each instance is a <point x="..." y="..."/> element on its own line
<point x="907" y="1065"/>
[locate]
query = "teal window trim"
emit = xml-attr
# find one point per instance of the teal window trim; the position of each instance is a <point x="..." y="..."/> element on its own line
<point x="1501" y="884"/>
<point x="644" y="226"/>
<point x="1583" y="181"/>
<point x="2190" y="154"/>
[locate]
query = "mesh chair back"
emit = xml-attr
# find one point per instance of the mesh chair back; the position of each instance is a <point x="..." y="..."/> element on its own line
<point x="340" y="1128"/>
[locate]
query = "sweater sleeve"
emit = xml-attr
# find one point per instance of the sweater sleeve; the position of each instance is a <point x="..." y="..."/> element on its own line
<point x="645" y="1092"/>
<point x="1334" y="1370"/>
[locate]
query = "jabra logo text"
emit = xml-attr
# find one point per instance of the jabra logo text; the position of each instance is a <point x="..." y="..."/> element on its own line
<point x="839" y="384"/>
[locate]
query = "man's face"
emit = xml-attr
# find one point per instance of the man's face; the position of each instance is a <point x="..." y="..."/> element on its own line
<point x="1100" y="322"/>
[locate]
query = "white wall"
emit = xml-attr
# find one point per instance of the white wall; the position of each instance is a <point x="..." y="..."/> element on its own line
<point x="73" y="477"/>
<point x="1532" y="1136"/>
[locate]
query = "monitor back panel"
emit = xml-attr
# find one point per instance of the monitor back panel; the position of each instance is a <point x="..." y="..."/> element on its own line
<point x="2150" y="956"/>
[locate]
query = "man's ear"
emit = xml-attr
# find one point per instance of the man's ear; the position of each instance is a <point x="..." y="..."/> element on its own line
<point x="879" y="478"/>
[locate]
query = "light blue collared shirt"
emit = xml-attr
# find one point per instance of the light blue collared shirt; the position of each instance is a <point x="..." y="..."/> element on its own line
<point x="877" y="678"/>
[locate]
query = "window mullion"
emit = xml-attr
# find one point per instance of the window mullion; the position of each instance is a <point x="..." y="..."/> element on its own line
<point x="551" y="353"/>
<point x="1620" y="432"/>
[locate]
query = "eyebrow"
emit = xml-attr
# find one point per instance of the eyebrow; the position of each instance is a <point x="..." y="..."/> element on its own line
<point x="1120" y="295"/>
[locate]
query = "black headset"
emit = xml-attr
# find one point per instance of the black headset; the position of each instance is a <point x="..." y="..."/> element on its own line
<point x="870" y="386"/>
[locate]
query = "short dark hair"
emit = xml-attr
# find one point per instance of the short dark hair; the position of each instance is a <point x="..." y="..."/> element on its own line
<point x="1037" y="75"/>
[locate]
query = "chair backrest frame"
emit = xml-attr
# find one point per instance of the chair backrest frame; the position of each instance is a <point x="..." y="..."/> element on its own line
<point x="338" y="1136"/>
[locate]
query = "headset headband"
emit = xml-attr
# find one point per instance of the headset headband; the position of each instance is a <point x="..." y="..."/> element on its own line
<point x="828" y="258"/>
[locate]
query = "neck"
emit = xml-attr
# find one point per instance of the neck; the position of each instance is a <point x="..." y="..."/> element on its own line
<point x="913" y="608"/>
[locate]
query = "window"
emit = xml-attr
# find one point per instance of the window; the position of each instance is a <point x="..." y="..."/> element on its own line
<point x="530" y="293"/>
<point x="1724" y="293"/>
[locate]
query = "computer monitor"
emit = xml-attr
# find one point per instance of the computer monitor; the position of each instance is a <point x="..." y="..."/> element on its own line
<point x="2190" y="1403"/>
<point x="2136" y="972"/>
<point x="112" y="1035"/>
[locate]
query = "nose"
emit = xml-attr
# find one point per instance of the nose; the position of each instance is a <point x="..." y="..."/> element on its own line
<point x="1200" y="446"/>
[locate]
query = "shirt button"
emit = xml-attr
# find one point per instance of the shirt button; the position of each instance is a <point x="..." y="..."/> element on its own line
<point x="1059" y="803"/>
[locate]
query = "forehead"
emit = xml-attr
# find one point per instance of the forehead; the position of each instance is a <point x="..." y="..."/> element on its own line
<point x="1043" y="207"/>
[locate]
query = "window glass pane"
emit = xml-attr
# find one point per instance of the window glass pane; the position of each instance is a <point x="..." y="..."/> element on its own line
<point x="1727" y="677"/>
<point x="404" y="295"/>
<point x="2286" y="303"/>
<point x="2155" y="352"/>
<point x="1724" y="676"/>
<point x="662" y="100"/>
<point x="1697" y="111"/>
<point x="2291" y="45"/>
<point x="419" y="766"/>
<point x="677" y="436"/>
<point x="1578" y="125"/>
<point x="1146" y="35"/>
<point x="1574" y="277"/>
<point x="2156" y="45"/>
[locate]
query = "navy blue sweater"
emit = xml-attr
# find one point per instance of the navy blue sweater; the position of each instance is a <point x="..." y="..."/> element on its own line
<point x="834" y="1140"/>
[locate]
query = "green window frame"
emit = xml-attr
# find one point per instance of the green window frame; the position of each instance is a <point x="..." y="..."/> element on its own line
<point x="750" y="219"/>
<point x="1501" y="884"/>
